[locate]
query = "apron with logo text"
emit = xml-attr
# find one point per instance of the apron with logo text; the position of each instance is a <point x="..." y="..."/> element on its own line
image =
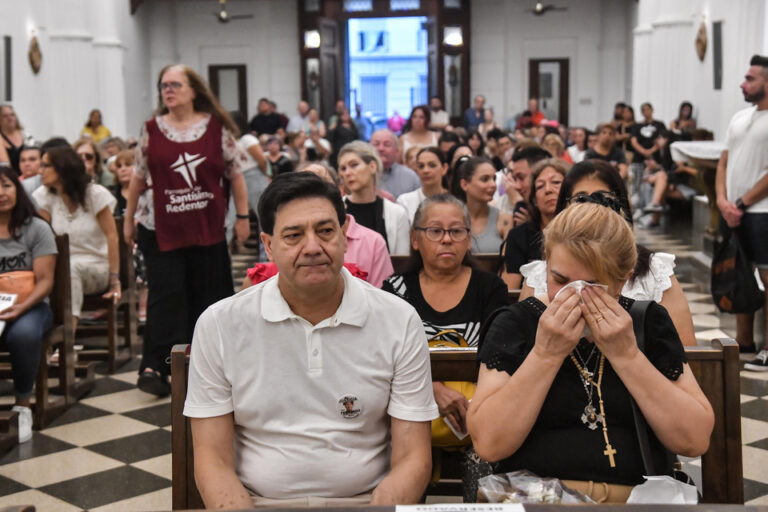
<point x="190" y="195"/>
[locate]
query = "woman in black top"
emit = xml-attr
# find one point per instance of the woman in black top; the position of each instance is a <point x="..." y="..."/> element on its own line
<point x="446" y="291"/>
<point x="523" y="243"/>
<point x="546" y="383"/>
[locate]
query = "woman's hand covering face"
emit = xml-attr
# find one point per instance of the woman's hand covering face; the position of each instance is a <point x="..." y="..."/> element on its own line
<point x="560" y="327"/>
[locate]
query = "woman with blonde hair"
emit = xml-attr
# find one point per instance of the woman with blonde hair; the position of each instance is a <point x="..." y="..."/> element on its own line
<point x="188" y="151"/>
<point x="569" y="374"/>
<point x="360" y="168"/>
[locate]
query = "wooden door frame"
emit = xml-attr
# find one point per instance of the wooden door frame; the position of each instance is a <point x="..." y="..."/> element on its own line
<point x="334" y="9"/>
<point x="533" y="83"/>
<point x="242" y="84"/>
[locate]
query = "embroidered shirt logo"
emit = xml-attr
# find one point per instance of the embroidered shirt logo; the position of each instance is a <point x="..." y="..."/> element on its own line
<point x="349" y="406"/>
<point x="186" y="165"/>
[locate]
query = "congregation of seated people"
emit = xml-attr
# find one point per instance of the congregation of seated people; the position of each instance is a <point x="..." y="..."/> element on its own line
<point x="410" y="213"/>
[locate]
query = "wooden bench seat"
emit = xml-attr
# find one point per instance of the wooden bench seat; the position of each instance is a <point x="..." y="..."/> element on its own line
<point x="715" y="367"/>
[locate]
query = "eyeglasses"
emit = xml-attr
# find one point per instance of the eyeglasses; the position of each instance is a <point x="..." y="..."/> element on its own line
<point x="87" y="156"/>
<point x="170" y="85"/>
<point x="435" y="234"/>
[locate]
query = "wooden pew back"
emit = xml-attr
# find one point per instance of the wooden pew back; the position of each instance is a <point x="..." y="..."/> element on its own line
<point x="716" y="369"/>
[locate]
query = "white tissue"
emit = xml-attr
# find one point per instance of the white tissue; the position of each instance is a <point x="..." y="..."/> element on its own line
<point x="579" y="284"/>
<point x="663" y="490"/>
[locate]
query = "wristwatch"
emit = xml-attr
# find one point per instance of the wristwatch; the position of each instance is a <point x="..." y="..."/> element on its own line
<point x="243" y="216"/>
<point x="740" y="204"/>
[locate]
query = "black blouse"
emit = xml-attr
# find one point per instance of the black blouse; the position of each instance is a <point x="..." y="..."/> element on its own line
<point x="559" y="444"/>
<point x="523" y="245"/>
<point x="485" y="294"/>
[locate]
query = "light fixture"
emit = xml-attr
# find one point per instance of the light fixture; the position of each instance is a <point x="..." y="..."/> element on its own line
<point x="452" y="36"/>
<point x="311" y="39"/>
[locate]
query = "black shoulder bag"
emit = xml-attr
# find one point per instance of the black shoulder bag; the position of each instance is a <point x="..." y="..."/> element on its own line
<point x="638" y="312"/>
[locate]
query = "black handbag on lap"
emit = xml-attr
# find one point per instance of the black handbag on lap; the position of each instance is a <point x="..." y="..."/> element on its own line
<point x="734" y="287"/>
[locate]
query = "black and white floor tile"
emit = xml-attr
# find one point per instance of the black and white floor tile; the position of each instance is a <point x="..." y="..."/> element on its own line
<point x="112" y="451"/>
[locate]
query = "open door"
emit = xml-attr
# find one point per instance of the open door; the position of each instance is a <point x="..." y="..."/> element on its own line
<point x="433" y="73"/>
<point x="331" y="60"/>
<point x="548" y="82"/>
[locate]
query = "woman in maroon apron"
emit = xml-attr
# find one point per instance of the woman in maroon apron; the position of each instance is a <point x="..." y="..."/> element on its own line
<point x="186" y="162"/>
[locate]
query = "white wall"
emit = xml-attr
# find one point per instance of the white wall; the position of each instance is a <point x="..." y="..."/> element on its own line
<point x="668" y="71"/>
<point x="267" y="44"/>
<point x="592" y="34"/>
<point x="94" y="56"/>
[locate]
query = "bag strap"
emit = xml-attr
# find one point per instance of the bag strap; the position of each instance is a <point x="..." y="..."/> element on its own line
<point x="638" y="312"/>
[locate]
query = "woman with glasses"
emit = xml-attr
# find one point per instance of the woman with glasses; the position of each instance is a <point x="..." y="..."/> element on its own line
<point x="82" y="209"/>
<point x="653" y="277"/>
<point x="474" y="182"/>
<point x="189" y="158"/>
<point x="450" y="296"/>
<point x="87" y="150"/>
<point x="523" y="243"/>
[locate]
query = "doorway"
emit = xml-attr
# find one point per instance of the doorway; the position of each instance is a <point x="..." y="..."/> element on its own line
<point x="228" y="84"/>
<point x="548" y="81"/>
<point x="439" y="38"/>
<point x="386" y="65"/>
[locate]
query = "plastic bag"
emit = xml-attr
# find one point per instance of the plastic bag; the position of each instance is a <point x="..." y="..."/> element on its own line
<point x="525" y="487"/>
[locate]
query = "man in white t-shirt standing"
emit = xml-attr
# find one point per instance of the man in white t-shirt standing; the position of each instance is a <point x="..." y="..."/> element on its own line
<point x="742" y="189"/>
<point x="313" y="387"/>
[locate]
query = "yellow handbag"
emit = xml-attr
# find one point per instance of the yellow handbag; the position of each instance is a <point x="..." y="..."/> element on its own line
<point x="442" y="436"/>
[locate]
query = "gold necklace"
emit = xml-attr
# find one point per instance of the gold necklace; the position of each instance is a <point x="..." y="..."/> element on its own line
<point x="609" y="450"/>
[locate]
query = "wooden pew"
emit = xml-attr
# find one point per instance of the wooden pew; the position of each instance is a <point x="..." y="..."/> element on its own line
<point x="715" y="367"/>
<point x="73" y="380"/>
<point x="115" y="354"/>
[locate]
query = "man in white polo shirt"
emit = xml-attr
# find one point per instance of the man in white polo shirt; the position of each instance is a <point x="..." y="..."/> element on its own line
<point x="313" y="387"/>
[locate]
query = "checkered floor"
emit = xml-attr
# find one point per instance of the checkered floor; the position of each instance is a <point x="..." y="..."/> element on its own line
<point x="112" y="451"/>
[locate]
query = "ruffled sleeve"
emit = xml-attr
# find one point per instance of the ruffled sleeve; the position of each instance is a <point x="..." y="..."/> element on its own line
<point x="652" y="285"/>
<point x="510" y="336"/>
<point x="535" y="274"/>
<point x="663" y="347"/>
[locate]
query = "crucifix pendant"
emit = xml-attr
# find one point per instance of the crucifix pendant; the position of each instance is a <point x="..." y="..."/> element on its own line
<point x="610" y="452"/>
<point x="591" y="417"/>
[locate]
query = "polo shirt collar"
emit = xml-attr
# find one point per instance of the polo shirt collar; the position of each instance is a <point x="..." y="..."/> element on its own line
<point x="353" y="228"/>
<point x="353" y="309"/>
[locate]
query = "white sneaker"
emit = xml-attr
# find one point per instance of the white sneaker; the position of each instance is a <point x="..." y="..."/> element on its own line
<point x="25" y="422"/>
<point x="759" y="363"/>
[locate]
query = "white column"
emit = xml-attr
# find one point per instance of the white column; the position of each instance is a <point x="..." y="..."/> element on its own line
<point x="109" y="53"/>
<point x="72" y="66"/>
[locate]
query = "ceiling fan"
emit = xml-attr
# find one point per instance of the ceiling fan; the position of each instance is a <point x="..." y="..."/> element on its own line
<point x="224" y="17"/>
<point x="540" y="9"/>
